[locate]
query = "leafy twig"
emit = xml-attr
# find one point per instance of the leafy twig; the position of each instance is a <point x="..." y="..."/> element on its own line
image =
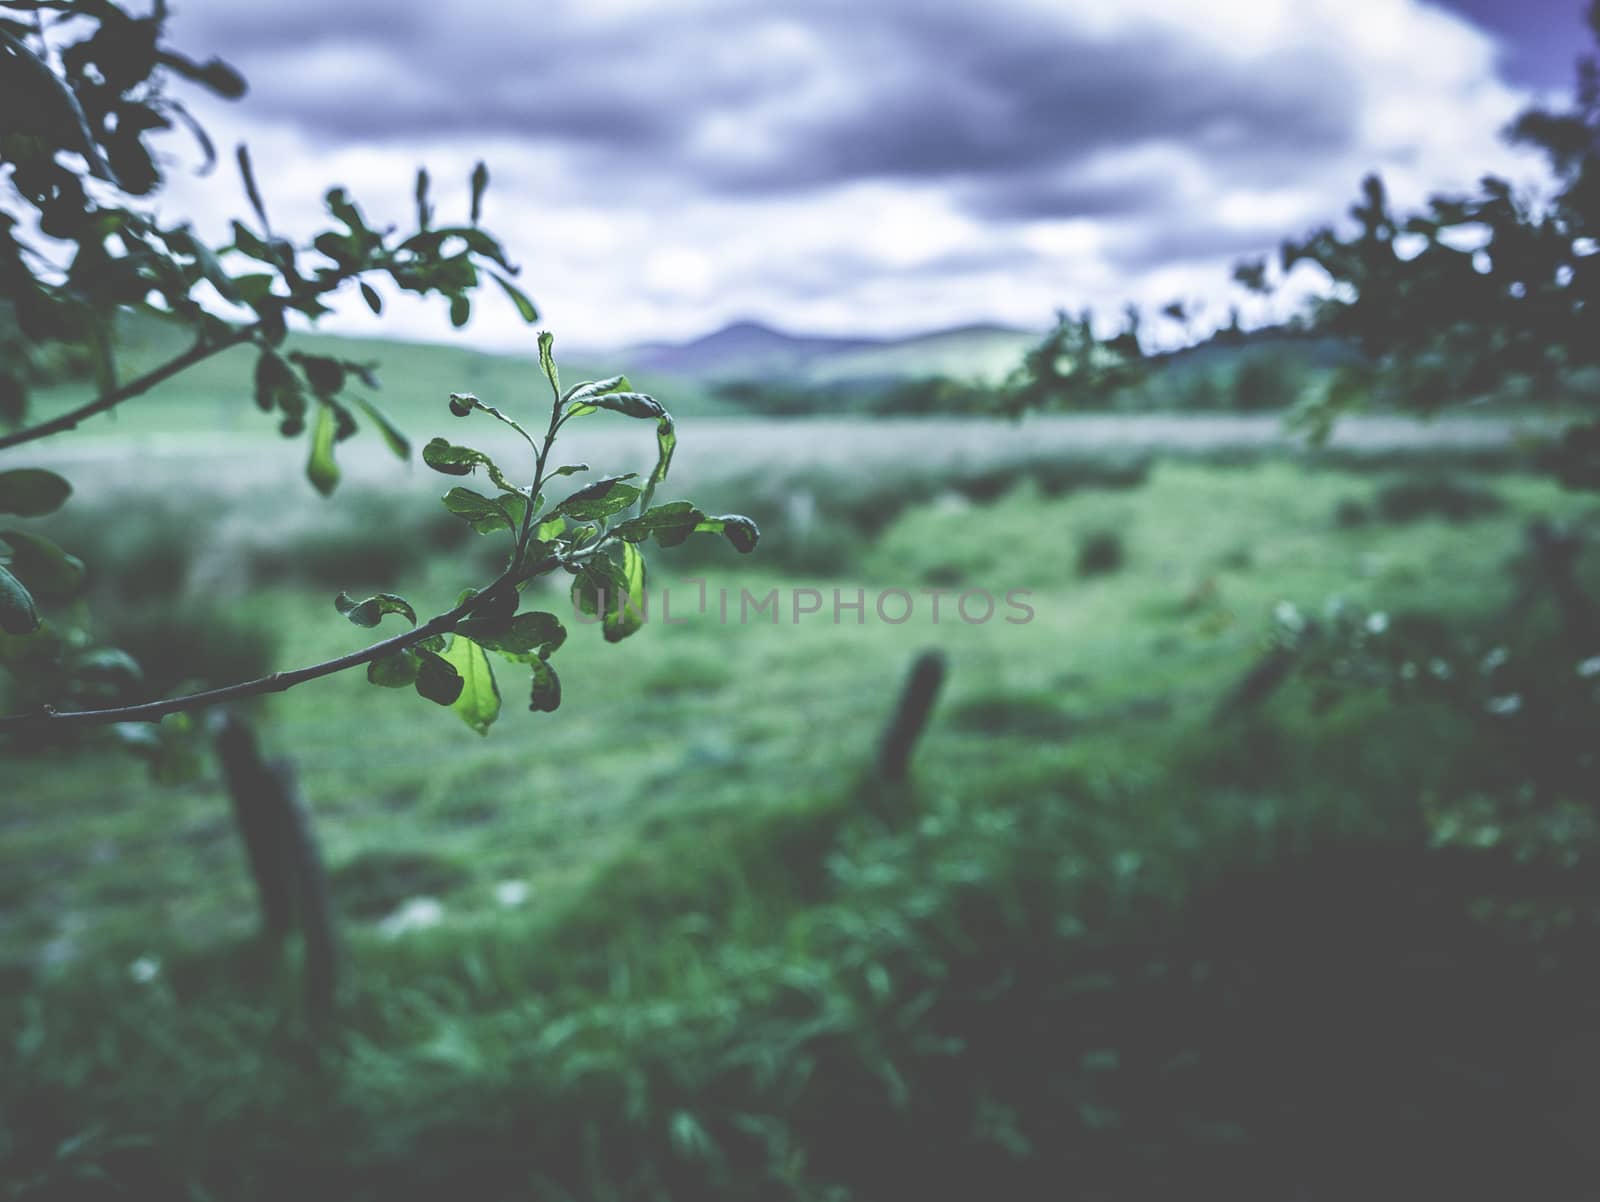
<point x="154" y="711"/>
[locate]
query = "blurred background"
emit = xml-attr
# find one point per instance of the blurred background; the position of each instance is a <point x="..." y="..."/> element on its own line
<point x="1256" y="857"/>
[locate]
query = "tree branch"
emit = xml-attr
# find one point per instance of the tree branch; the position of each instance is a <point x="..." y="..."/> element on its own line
<point x="110" y="400"/>
<point x="154" y="711"/>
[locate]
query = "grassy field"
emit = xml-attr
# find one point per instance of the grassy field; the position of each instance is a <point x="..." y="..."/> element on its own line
<point x="675" y="941"/>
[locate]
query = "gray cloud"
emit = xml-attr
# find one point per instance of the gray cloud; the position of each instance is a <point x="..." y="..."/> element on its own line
<point x="898" y="91"/>
<point x="1151" y="245"/>
<point x="1004" y="99"/>
<point x="384" y="72"/>
<point x="660" y="165"/>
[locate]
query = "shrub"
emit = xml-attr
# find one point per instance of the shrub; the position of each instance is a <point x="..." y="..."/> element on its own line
<point x="1444" y="497"/>
<point x="1266" y="380"/>
<point x="1100" y="553"/>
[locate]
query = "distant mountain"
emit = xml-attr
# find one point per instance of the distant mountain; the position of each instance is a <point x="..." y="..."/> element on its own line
<point x="740" y="350"/>
<point x="749" y="350"/>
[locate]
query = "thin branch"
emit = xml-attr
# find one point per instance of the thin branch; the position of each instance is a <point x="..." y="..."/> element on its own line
<point x="110" y="400"/>
<point x="154" y="711"/>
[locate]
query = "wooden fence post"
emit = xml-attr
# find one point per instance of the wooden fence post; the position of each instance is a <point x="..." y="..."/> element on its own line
<point x="255" y="805"/>
<point x="911" y="714"/>
<point x="1552" y="556"/>
<point x="1256" y="686"/>
<point x="292" y="884"/>
<point x="313" y="904"/>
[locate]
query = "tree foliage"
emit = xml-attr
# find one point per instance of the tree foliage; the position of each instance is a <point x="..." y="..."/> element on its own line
<point x="1478" y="290"/>
<point x="1475" y="292"/>
<point x="85" y="88"/>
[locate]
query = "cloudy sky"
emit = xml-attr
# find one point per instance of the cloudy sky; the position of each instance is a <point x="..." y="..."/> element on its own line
<point x="660" y="167"/>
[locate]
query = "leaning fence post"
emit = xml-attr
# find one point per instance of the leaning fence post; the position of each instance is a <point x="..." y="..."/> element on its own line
<point x="255" y="813"/>
<point x="1256" y="686"/>
<point x="275" y="823"/>
<point x="911" y="714"/>
<point x="311" y="893"/>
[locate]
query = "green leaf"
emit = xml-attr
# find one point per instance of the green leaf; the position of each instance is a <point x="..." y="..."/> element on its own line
<point x="460" y="309"/>
<point x="547" y="360"/>
<point x="17" y="614"/>
<point x="254" y="194"/>
<point x="398" y="442"/>
<point x="546" y="696"/>
<point x="169" y="747"/>
<point x="325" y="375"/>
<point x="600" y="499"/>
<point x="479" y="703"/>
<point x="634" y="404"/>
<point x="486" y="514"/>
<point x="519" y="298"/>
<point x="535" y="561"/>
<point x="370" y="612"/>
<point x="593" y="388"/>
<point x="456" y="271"/>
<point x="739" y="530"/>
<point x="32" y="492"/>
<point x="625" y="616"/>
<point x="480" y="181"/>
<point x="185" y="243"/>
<point x="424" y="209"/>
<point x="437" y="679"/>
<point x="367" y="373"/>
<point x="253" y="288"/>
<point x="452" y="460"/>
<point x="670" y="523"/>
<point x="493" y="610"/>
<point x="32" y="84"/>
<point x="596" y="587"/>
<point x="277" y="386"/>
<point x="370" y="295"/>
<point x="397" y="671"/>
<point x="247" y="243"/>
<point x="569" y="469"/>
<point x="214" y="74"/>
<point x="45" y="568"/>
<point x="517" y="506"/>
<point x="321" y="470"/>
<point x="108" y="664"/>
<point x="666" y="442"/>
<point x="526" y="637"/>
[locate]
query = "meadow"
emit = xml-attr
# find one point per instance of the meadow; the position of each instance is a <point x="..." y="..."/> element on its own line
<point x="676" y="940"/>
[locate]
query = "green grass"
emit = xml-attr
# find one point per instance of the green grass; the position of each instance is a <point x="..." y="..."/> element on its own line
<point x="1096" y="943"/>
<point x="216" y="395"/>
<point x="704" y="716"/>
<point x="978" y="353"/>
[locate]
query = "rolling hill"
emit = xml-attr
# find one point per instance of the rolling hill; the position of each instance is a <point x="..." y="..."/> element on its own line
<point x="749" y="350"/>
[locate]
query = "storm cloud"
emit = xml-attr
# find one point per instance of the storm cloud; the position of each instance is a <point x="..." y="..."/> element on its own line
<point x="728" y="147"/>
